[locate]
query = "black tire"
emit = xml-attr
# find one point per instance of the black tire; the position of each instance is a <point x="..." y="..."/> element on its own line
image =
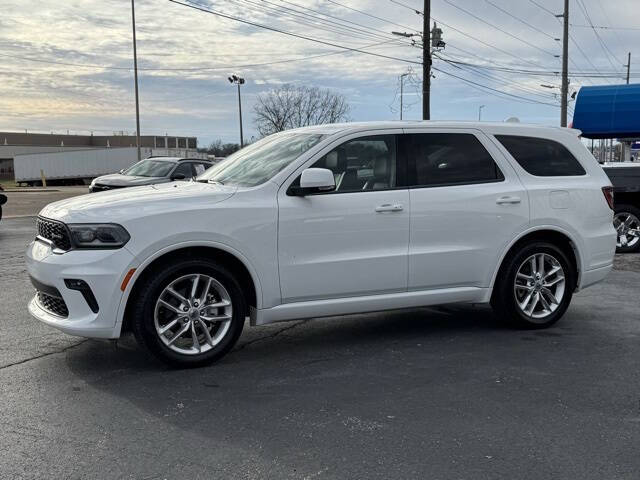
<point x="504" y="300"/>
<point x="143" y="324"/>
<point x="632" y="210"/>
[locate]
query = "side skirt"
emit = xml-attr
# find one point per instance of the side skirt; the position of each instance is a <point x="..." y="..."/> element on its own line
<point x="368" y="303"/>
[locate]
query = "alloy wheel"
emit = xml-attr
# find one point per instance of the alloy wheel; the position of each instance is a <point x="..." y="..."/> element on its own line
<point x="627" y="226"/>
<point x="539" y="286"/>
<point x="193" y="314"/>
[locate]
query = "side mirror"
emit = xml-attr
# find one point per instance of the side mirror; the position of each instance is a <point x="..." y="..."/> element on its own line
<point x="178" y="176"/>
<point x="121" y="170"/>
<point x="314" y="180"/>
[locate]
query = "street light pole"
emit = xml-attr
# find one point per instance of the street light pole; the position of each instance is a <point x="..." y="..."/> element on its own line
<point x="480" y="112"/>
<point x="238" y="81"/>
<point x="135" y="75"/>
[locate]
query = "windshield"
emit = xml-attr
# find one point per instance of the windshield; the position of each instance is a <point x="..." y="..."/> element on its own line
<point x="260" y="161"/>
<point x="150" y="168"/>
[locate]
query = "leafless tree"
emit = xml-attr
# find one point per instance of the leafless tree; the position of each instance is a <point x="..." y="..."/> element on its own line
<point x="292" y="106"/>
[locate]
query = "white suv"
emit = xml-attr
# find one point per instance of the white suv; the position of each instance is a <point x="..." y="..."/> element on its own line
<point x="331" y="220"/>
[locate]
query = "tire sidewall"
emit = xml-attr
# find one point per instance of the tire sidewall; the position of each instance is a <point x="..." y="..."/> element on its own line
<point x="506" y="302"/>
<point x="144" y="324"/>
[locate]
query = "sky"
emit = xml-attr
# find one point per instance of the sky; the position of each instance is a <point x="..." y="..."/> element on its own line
<point x="68" y="65"/>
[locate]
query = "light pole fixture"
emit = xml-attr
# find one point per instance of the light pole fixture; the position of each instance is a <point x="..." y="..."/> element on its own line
<point x="480" y="112"/>
<point x="238" y="81"/>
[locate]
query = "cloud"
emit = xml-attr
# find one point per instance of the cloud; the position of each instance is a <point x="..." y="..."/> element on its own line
<point x="185" y="56"/>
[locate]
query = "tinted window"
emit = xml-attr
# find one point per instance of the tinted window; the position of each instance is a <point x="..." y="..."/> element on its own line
<point x="184" y="169"/>
<point x="150" y="168"/>
<point x="541" y="157"/>
<point x="367" y="163"/>
<point x="447" y="159"/>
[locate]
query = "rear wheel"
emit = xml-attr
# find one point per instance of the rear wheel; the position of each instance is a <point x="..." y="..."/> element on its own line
<point x="535" y="286"/>
<point x="190" y="313"/>
<point x="627" y="224"/>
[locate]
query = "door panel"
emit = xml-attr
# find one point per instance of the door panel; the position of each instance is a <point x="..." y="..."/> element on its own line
<point x="458" y="231"/>
<point x="352" y="241"/>
<point x="339" y="245"/>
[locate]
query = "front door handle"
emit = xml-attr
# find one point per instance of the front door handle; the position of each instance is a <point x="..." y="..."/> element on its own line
<point x="508" y="200"/>
<point x="388" y="207"/>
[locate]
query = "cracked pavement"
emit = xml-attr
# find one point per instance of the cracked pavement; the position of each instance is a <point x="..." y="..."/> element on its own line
<point x="434" y="393"/>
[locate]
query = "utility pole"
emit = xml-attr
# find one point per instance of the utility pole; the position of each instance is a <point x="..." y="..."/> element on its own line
<point x="565" y="65"/>
<point x="426" y="61"/>
<point x="628" y="67"/>
<point x="135" y="75"/>
<point x="480" y="112"/>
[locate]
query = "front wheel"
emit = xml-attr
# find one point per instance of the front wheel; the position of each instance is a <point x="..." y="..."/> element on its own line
<point x="627" y="224"/>
<point x="535" y="287"/>
<point x="190" y="313"/>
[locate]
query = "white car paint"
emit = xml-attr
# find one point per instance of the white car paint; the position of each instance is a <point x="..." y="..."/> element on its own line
<point x="335" y="254"/>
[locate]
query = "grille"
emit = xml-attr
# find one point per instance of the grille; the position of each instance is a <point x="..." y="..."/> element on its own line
<point x="54" y="305"/>
<point x="54" y="231"/>
<point x="98" y="187"/>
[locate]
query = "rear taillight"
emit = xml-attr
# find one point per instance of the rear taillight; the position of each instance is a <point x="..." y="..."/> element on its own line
<point x="608" y="194"/>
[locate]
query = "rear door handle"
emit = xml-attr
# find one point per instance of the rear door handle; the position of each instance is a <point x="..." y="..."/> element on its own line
<point x="508" y="200"/>
<point x="388" y="207"/>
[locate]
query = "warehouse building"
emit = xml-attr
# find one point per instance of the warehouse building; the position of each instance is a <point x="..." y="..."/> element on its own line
<point x="13" y="144"/>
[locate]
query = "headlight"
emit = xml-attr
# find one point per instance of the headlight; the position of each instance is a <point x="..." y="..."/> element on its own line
<point x="98" y="235"/>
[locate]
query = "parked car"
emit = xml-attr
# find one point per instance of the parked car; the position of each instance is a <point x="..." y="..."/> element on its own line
<point x="151" y="171"/>
<point x="625" y="178"/>
<point x="3" y="200"/>
<point x="331" y="220"/>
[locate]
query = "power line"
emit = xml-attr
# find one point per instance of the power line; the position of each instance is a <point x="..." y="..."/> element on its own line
<point x="307" y="19"/>
<point x="371" y="15"/>
<point x="193" y="69"/>
<point x="386" y="34"/>
<point x="295" y="35"/>
<point x="606" y="50"/>
<point x="500" y="29"/>
<point x="488" y="44"/>
<point x="533" y="27"/>
<point x="415" y="10"/>
<point x="494" y="91"/>
<point x="603" y="27"/>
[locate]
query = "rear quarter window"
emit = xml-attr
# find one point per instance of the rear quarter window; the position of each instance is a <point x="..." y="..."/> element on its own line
<point x="542" y="157"/>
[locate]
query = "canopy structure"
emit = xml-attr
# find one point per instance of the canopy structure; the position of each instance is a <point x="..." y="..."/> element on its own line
<point x="611" y="111"/>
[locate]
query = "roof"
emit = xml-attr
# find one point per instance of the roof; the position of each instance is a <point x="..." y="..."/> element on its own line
<point x="608" y="111"/>
<point x="506" y="128"/>
<point x="175" y="159"/>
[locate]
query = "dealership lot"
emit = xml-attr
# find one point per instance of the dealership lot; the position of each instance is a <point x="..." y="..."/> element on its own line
<point x="426" y="393"/>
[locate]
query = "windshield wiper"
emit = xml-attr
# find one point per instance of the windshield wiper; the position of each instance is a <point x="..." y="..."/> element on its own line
<point x="215" y="182"/>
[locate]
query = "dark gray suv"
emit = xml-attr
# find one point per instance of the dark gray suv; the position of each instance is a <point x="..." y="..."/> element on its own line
<point x="151" y="171"/>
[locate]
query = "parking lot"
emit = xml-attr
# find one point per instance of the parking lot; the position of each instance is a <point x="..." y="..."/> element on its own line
<point x="429" y="393"/>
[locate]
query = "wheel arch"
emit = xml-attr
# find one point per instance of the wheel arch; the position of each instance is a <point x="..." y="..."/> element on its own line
<point x="547" y="233"/>
<point x="228" y="257"/>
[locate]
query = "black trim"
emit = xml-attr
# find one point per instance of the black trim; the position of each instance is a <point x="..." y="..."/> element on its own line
<point x="457" y="184"/>
<point x="82" y="287"/>
<point x="48" y="289"/>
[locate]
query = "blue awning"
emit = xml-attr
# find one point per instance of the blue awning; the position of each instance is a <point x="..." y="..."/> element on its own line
<point x="611" y="111"/>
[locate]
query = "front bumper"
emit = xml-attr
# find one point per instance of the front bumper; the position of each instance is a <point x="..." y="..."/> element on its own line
<point x="102" y="270"/>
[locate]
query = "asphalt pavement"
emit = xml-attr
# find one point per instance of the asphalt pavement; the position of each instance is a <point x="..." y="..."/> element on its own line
<point x="432" y="393"/>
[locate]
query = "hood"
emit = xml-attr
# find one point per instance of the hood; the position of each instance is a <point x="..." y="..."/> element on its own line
<point x="120" y="180"/>
<point x="125" y="204"/>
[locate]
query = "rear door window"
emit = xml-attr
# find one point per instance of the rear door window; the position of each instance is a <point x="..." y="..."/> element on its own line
<point x="438" y="159"/>
<point x="541" y="157"/>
